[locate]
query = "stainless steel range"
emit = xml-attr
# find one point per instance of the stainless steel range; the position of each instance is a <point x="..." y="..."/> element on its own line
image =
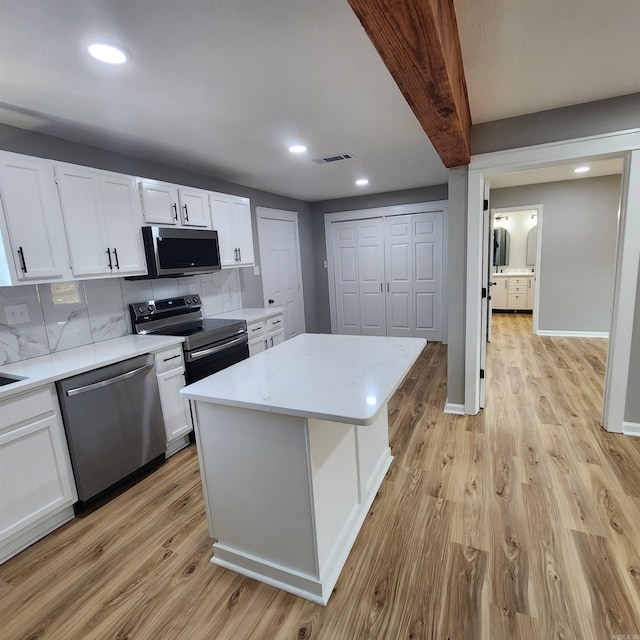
<point x="210" y="345"/>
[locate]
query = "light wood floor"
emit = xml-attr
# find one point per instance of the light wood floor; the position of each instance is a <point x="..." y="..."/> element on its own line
<point x="523" y="522"/>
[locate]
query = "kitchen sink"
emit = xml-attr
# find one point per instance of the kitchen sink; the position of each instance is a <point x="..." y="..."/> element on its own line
<point x="4" y="380"/>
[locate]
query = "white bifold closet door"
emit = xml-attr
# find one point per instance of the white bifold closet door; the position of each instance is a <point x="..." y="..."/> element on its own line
<point x="358" y="253"/>
<point x="388" y="275"/>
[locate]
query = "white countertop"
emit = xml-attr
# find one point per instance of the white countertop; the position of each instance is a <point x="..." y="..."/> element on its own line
<point x="251" y="314"/>
<point x="325" y="376"/>
<point x="56" y="366"/>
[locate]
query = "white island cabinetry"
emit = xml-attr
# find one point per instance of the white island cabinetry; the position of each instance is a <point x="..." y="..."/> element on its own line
<point x="299" y="438"/>
<point x="38" y="489"/>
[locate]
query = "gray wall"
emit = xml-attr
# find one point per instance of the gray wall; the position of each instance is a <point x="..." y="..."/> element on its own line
<point x="577" y="121"/>
<point x="632" y="409"/>
<point x="457" y="265"/>
<point x="44" y="146"/>
<point x="318" y="209"/>
<point x="579" y="232"/>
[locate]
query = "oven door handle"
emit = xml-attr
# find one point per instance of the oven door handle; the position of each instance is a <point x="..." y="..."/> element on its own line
<point x="195" y="355"/>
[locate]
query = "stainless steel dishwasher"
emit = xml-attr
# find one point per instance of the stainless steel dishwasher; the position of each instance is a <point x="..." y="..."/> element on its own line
<point x="113" y="420"/>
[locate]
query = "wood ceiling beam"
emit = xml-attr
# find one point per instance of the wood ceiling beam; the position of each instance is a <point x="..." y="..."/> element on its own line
<point x="418" y="42"/>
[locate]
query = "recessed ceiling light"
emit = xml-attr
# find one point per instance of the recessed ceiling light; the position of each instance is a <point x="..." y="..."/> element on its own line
<point x="362" y="182"/>
<point x="297" y="148"/>
<point x="107" y="53"/>
<point x="581" y="169"/>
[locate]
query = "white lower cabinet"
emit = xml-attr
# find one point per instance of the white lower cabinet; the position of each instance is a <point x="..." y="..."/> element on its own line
<point x="513" y="293"/>
<point x="38" y="489"/>
<point x="265" y="334"/>
<point x="275" y="331"/>
<point x="175" y="410"/>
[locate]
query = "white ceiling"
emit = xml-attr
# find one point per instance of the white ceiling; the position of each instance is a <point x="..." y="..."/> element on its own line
<point x="223" y="87"/>
<point x="524" y="56"/>
<point x="557" y="173"/>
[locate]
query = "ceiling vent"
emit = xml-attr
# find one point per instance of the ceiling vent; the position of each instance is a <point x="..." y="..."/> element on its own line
<point x="334" y="158"/>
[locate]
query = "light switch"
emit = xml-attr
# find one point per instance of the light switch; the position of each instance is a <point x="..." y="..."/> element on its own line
<point x="16" y="314"/>
<point x="326" y="264"/>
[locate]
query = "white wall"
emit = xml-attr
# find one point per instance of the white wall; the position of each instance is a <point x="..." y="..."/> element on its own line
<point x="579" y="233"/>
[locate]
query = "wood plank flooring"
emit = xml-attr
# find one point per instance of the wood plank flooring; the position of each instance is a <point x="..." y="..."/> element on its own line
<point x="522" y="522"/>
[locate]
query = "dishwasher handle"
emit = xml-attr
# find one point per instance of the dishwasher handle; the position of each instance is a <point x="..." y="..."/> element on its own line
<point x="106" y="383"/>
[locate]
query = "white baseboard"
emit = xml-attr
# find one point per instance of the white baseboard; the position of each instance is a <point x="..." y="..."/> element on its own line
<point x="631" y="428"/>
<point x="456" y="409"/>
<point x="573" y="334"/>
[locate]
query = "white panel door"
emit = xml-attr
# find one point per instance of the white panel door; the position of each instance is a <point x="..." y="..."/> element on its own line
<point x="280" y="271"/>
<point x="427" y="281"/>
<point x="399" y="276"/>
<point x="371" y="277"/>
<point x="345" y="260"/>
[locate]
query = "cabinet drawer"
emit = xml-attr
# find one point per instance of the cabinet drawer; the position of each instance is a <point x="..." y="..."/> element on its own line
<point x="518" y="281"/>
<point x="255" y="329"/>
<point x="517" y="300"/>
<point x="27" y="407"/>
<point x="274" y="324"/>
<point x="517" y="288"/>
<point x="169" y="359"/>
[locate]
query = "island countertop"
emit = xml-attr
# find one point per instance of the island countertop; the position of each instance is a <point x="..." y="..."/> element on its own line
<point x="325" y="376"/>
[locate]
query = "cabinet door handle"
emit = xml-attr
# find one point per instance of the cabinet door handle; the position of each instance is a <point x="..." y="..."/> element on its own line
<point x="239" y="254"/>
<point x="171" y="358"/>
<point x="272" y="341"/>
<point x="23" y="264"/>
<point x="108" y="252"/>
<point x="381" y="287"/>
<point x="186" y="213"/>
<point x="387" y="287"/>
<point x="277" y="321"/>
<point x="175" y="211"/>
<point x="115" y="253"/>
<point x="266" y="344"/>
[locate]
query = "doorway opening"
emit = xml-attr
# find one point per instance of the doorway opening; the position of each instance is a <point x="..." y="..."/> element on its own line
<point x="482" y="171"/>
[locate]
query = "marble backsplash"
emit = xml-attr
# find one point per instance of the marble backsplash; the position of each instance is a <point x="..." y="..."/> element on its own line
<point x="64" y="315"/>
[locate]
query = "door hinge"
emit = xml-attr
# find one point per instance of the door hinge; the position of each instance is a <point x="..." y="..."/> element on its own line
<point x="481" y="374"/>
<point x="484" y="292"/>
<point x="55" y="175"/>
<point x="485" y="205"/>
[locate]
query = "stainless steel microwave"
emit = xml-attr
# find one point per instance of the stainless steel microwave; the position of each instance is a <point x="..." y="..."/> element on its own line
<point x="180" y="252"/>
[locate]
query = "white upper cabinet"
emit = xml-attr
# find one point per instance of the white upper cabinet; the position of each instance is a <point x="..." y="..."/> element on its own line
<point x="102" y="220"/>
<point x="169" y="204"/>
<point x="35" y="247"/>
<point x="231" y="218"/>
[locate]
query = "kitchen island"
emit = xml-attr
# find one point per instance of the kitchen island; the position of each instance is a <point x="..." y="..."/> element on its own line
<point x="293" y="446"/>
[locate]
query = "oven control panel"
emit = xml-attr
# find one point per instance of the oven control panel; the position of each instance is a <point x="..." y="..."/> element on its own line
<point x="148" y="310"/>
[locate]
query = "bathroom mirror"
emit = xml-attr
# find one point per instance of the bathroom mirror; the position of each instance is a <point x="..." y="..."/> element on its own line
<point x="532" y="245"/>
<point x="500" y="247"/>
